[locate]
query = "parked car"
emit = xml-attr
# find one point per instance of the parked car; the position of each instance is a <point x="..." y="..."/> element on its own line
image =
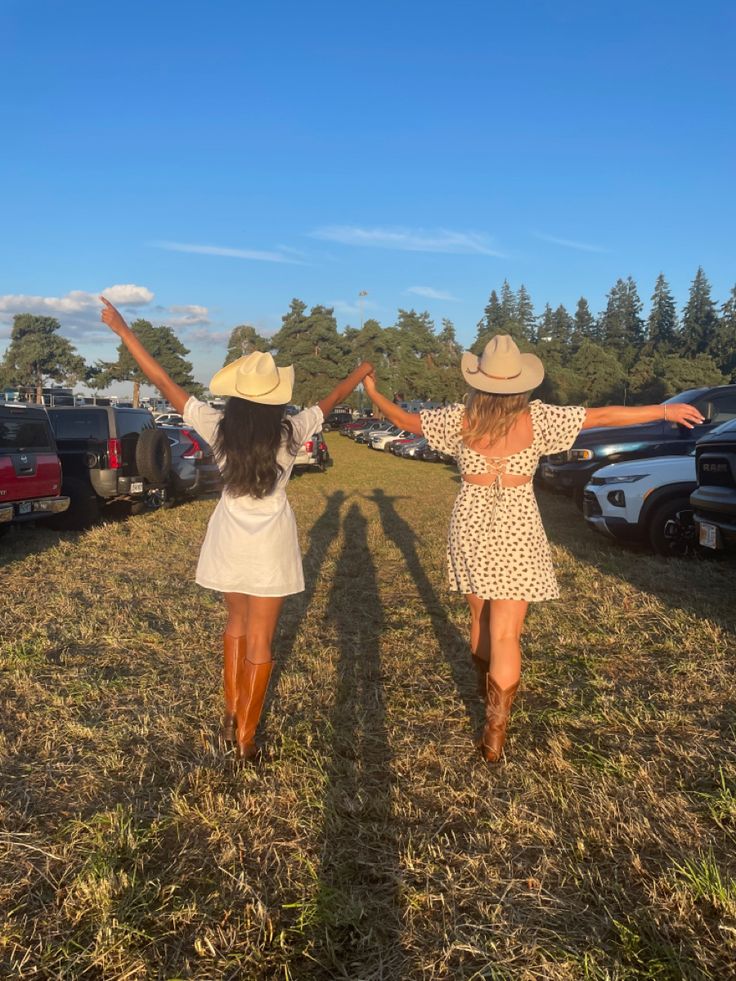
<point x="411" y="449"/>
<point x="313" y="453"/>
<point x="394" y="445"/>
<point x="168" y="419"/>
<point x="30" y="470"/>
<point x="193" y="467"/>
<point x="364" y="435"/>
<point x="645" y="500"/>
<point x="108" y="454"/>
<point x="349" y="427"/>
<point x="714" y="497"/>
<point x="594" y="448"/>
<point x="337" y="419"/>
<point x="380" y="439"/>
<point x="430" y="455"/>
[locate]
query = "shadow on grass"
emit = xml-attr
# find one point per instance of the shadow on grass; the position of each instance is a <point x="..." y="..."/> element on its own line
<point x="452" y="643"/>
<point x="356" y="921"/>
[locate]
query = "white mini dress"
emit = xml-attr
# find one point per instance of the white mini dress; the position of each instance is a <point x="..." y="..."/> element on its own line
<point x="251" y="545"/>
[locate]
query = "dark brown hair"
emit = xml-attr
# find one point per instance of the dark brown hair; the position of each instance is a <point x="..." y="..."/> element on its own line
<point x="248" y="439"/>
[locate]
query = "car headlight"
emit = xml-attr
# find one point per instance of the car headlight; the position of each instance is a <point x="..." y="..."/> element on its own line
<point x="628" y="479"/>
<point x="581" y="454"/>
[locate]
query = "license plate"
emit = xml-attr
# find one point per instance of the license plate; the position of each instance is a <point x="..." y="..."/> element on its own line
<point x="25" y="507"/>
<point x="136" y="487"/>
<point x="708" y="536"/>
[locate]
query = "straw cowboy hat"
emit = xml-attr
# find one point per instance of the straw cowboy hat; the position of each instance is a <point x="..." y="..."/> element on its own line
<point x="502" y="368"/>
<point x="255" y="377"/>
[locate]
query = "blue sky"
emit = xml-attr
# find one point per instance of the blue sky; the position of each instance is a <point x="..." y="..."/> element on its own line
<point x="212" y="161"/>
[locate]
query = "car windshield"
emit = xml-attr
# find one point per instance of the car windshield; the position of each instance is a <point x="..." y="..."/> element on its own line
<point x="689" y="396"/>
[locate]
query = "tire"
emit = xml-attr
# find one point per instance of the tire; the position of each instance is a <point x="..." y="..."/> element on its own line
<point x="679" y="540"/>
<point x="83" y="510"/>
<point x="153" y="456"/>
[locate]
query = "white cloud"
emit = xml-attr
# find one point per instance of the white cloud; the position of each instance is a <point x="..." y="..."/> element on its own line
<point x="75" y="302"/>
<point x="255" y="254"/>
<point x="201" y="335"/>
<point x="570" y="243"/>
<point x="127" y="296"/>
<point x="188" y="316"/>
<point x="410" y="240"/>
<point x="430" y="293"/>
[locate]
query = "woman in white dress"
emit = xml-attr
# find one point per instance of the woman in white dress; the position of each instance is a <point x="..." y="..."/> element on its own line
<point x="251" y="550"/>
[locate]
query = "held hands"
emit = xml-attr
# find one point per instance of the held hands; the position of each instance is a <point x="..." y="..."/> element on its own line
<point x="112" y="317"/>
<point x="684" y="414"/>
<point x="369" y="383"/>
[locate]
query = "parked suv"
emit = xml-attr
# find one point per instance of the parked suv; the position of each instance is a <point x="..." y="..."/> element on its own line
<point x="313" y="453"/>
<point x="594" y="448"/>
<point x="645" y="500"/>
<point x="193" y="467"/>
<point x="336" y="419"/>
<point x="30" y="471"/>
<point x="714" y="498"/>
<point x="108" y="453"/>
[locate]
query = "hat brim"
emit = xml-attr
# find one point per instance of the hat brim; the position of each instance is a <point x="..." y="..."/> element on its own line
<point x="531" y="375"/>
<point x="224" y="383"/>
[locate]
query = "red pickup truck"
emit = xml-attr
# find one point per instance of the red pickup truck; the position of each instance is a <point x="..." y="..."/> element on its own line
<point x="30" y="471"/>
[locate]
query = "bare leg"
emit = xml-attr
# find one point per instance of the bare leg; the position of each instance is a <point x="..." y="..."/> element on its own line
<point x="480" y="637"/>
<point x="257" y="617"/>
<point x="507" y="623"/>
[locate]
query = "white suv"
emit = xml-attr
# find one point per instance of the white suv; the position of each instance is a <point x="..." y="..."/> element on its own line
<point x="380" y="440"/>
<point x="647" y="499"/>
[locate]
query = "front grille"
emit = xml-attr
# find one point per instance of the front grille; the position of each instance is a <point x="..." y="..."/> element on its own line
<point x="591" y="507"/>
<point x="715" y="471"/>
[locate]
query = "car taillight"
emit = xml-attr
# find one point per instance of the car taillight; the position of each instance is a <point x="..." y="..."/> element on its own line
<point x="323" y="447"/>
<point x="114" y="454"/>
<point x="309" y="445"/>
<point x="195" y="452"/>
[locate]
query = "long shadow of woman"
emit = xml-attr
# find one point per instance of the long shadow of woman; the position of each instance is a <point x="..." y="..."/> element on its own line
<point x="451" y="642"/>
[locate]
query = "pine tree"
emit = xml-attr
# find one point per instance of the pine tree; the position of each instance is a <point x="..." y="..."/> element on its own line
<point x="525" y="314"/>
<point x="244" y="340"/>
<point x="312" y="344"/>
<point x="418" y="351"/>
<point x="491" y="324"/>
<point x="725" y="345"/>
<point x="699" y="318"/>
<point x="163" y="344"/>
<point x="36" y="353"/>
<point x="662" y="323"/>
<point x="622" y="328"/>
<point x="584" y="326"/>
<point x="449" y="385"/>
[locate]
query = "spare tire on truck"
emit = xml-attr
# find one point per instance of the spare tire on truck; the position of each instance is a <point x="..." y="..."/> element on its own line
<point x="153" y="456"/>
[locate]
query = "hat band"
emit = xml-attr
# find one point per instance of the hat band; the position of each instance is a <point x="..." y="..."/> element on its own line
<point x="266" y="391"/>
<point x="494" y="377"/>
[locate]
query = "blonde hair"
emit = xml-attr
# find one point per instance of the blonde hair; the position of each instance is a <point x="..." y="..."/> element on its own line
<point x="490" y="415"/>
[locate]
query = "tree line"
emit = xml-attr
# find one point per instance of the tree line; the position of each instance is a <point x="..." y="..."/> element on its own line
<point x="615" y="356"/>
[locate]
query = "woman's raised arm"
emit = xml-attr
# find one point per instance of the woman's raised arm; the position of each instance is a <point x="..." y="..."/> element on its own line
<point x="398" y="416"/>
<point x="344" y="388"/>
<point x="150" y="367"/>
<point x="630" y="415"/>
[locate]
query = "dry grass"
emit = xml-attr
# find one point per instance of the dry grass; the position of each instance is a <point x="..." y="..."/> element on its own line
<point x="373" y="843"/>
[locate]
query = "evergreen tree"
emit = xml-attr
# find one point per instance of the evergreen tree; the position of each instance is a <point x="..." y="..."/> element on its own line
<point x="525" y="314"/>
<point x="509" y="315"/>
<point x="725" y="345"/>
<point x="492" y="323"/>
<point x="450" y="385"/>
<point x="699" y="318"/>
<point x="36" y="353"/>
<point x="312" y="344"/>
<point x="418" y="354"/>
<point x="622" y="328"/>
<point x="662" y="323"/>
<point x="584" y="325"/>
<point x="602" y="378"/>
<point x="244" y="340"/>
<point x="160" y="342"/>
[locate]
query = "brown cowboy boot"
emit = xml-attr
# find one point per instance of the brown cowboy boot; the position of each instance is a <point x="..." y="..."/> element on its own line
<point x="498" y="706"/>
<point x="481" y="671"/>
<point x="252" y="686"/>
<point x="233" y="651"/>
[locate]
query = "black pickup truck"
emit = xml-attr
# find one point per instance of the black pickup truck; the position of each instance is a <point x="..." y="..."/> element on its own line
<point x="108" y="454"/>
<point x="714" y="498"/>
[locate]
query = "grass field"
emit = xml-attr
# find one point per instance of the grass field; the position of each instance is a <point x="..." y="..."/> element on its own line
<point x="373" y="842"/>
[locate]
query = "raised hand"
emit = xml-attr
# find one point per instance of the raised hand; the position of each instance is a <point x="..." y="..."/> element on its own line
<point x="369" y="383"/>
<point x="684" y="414"/>
<point x="112" y="317"/>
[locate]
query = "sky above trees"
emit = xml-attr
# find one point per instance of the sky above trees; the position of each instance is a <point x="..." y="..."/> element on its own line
<point x="214" y="161"/>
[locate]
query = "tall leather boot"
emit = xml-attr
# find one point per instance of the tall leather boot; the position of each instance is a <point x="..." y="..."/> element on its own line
<point x="233" y="651"/>
<point x="498" y="707"/>
<point x="252" y="686"/>
<point x="481" y="672"/>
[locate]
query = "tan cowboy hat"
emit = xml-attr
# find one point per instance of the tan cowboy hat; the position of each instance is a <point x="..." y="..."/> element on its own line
<point x="255" y="377"/>
<point x="502" y="368"/>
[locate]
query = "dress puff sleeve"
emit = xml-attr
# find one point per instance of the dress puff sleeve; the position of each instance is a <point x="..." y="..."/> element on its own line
<point x="442" y="427"/>
<point x="203" y="418"/>
<point x="306" y="423"/>
<point x="560" y="425"/>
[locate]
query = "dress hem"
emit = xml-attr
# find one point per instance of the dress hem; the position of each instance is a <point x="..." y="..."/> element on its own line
<point x="250" y="592"/>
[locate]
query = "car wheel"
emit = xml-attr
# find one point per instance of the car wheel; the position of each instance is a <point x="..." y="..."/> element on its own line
<point x="672" y="530"/>
<point x="83" y="510"/>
